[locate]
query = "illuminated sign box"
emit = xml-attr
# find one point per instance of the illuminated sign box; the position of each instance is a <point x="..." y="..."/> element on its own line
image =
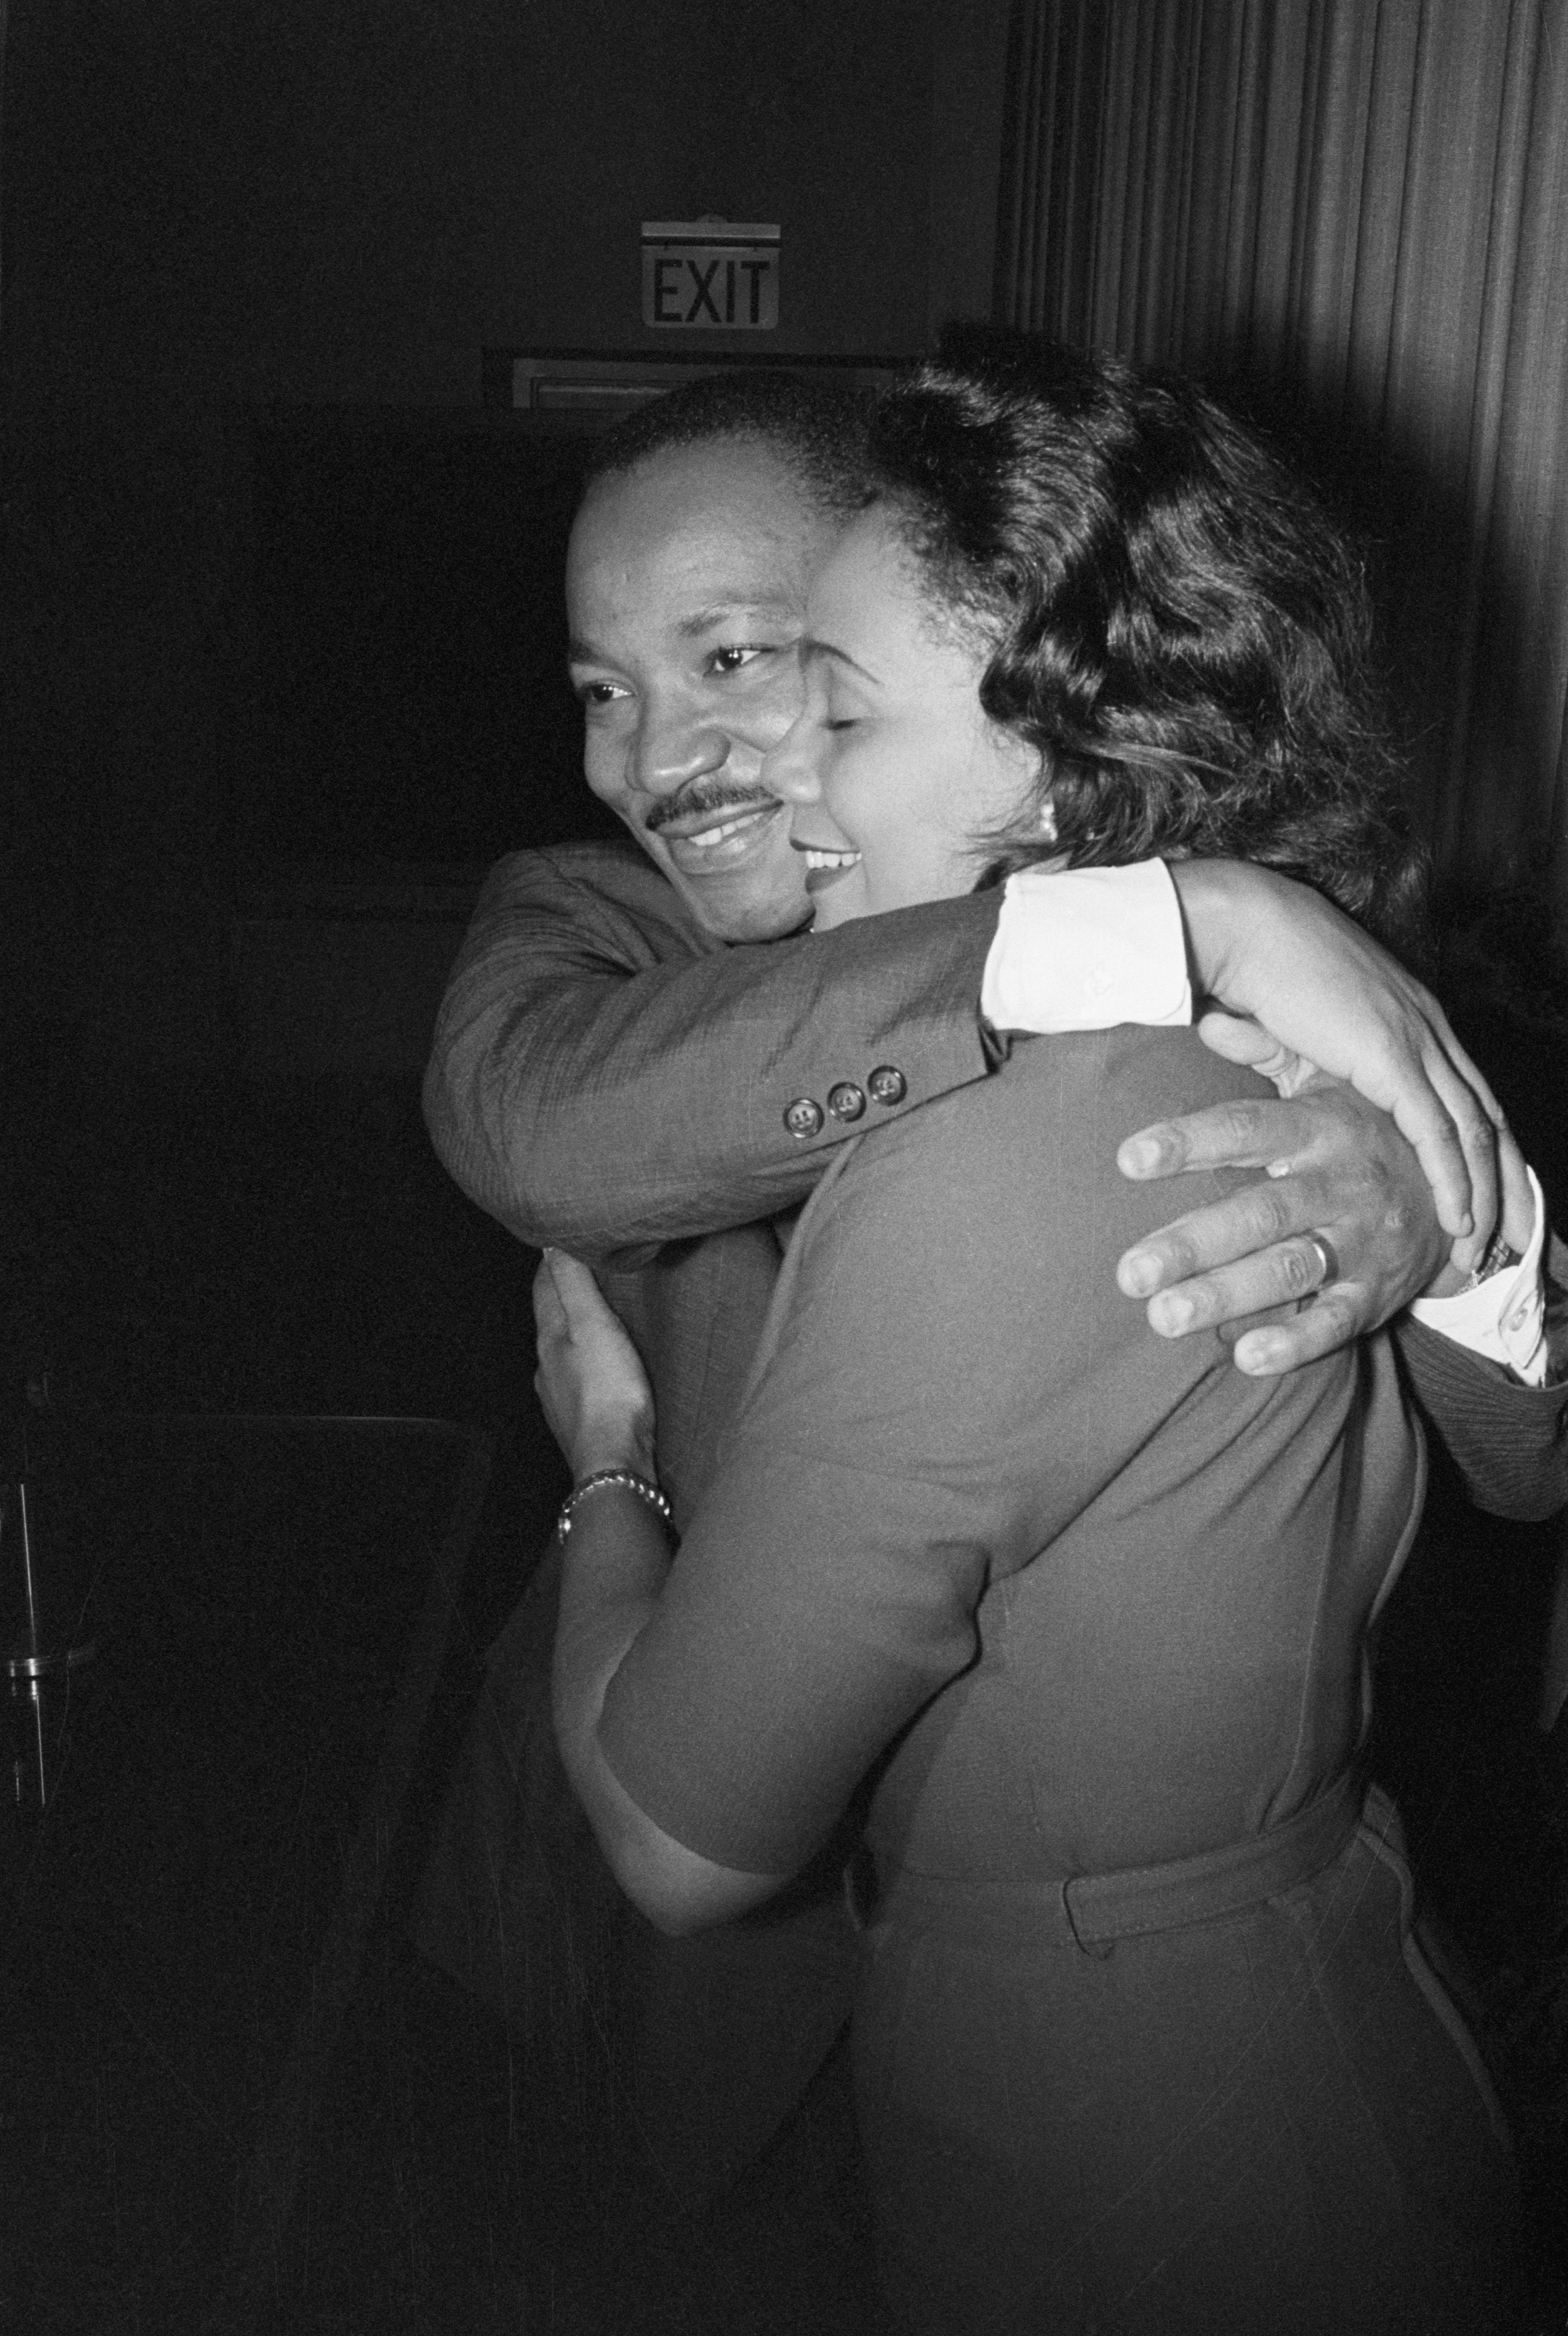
<point x="588" y="388"/>
<point x="710" y="275"/>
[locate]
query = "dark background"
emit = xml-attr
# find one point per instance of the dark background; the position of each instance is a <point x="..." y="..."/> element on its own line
<point x="279" y="598"/>
<point x="281" y="645"/>
<point x="280" y="640"/>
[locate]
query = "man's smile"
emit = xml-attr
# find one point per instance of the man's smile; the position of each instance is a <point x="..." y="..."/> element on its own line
<point x="698" y="842"/>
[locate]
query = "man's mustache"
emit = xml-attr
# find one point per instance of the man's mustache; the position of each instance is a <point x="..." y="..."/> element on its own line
<point x="702" y="799"/>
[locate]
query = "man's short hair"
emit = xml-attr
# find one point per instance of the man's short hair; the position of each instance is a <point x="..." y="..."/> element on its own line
<point x="817" y="427"/>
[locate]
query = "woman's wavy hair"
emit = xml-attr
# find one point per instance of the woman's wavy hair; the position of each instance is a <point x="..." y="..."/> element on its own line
<point x="1170" y="618"/>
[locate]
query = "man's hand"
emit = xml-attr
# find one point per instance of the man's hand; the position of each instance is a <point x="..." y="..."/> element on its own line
<point x="1337" y="1168"/>
<point x="1275" y="952"/>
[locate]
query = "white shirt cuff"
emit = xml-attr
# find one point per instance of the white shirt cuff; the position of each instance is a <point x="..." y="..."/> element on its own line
<point x="1083" y="949"/>
<point x="1503" y="1318"/>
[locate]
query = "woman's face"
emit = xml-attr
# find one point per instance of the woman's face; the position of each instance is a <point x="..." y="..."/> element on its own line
<point x="892" y="771"/>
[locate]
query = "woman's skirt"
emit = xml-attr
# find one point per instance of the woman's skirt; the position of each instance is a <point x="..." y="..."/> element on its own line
<point x="1271" y="2122"/>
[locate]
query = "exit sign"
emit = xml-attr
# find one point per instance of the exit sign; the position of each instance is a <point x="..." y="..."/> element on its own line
<point x="710" y="275"/>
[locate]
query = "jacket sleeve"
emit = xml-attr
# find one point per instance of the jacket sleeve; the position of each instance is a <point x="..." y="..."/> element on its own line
<point x="606" y="1078"/>
<point x="1509" y="1443"/>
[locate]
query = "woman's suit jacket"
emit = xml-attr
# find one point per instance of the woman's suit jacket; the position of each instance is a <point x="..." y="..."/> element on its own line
<point x="1083" y="1616"/>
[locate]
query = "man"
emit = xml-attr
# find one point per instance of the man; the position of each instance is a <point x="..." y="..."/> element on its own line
<point x="613" y="1075"/>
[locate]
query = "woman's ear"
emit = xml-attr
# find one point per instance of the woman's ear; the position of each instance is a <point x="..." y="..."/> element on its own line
<point x="1027" y="835"/>
<point x="1038" y="825"/>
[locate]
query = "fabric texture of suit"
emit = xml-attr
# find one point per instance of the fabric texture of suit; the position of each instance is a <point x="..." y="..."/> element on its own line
<point x="1092" y="1610"/>
<point x="609" y="1078"/>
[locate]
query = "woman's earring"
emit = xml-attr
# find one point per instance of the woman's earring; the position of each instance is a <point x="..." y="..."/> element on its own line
<point x="1048" y="821"/>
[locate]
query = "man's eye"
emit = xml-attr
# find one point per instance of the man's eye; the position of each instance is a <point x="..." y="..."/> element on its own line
<point x="732" y="660"/>
<point x="598" y="692"/>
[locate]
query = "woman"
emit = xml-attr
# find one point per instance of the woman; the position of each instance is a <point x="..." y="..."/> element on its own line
<point x="1143" y="2041"/>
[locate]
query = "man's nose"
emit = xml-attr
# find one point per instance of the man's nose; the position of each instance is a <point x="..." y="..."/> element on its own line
<point x="672" y="750"/>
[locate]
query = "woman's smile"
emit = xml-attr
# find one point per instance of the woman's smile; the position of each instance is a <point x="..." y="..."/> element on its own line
<point x="896" y="774"/>
<point x="826" y="863"/>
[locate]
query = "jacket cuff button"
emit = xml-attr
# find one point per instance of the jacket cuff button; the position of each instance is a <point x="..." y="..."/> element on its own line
<point x="886" y="1086"/>
<point x="803" y="1117"/>
<point x="846" y="1101"/>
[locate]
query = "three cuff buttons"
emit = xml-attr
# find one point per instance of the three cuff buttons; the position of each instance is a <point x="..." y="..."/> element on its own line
<point x="846" y="1101"/>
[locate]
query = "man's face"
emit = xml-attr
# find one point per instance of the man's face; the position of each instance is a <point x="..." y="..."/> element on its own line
<point x="685" y="589"/>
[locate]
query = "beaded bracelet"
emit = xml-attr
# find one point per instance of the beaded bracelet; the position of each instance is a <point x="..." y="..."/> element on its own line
<point x="627" y="1477"/>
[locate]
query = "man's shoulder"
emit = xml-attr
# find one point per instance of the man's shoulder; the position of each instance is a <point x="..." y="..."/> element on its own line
<point x="604" y="884"/>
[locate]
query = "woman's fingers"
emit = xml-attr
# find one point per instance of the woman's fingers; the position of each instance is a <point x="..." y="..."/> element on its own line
<point x="549" y="1313"/>
<point x="1518" y="1199"/>
<point x="1453" y="1127"/>
<point x="575" y="1291"/>
<point x="591" y="1382"/>
<point x="1241" y="1041"/>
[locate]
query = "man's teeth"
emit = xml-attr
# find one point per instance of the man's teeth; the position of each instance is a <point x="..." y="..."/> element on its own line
<point x="814" y="858"/>
<point x="709" y="836"/>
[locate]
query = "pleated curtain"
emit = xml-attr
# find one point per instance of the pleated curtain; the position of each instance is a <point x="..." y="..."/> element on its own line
<point x="1355" y="212"/>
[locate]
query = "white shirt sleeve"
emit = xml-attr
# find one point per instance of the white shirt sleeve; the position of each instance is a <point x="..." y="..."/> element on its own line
<point x="1503" y="1318"/>
<point x="1084" y="948"/>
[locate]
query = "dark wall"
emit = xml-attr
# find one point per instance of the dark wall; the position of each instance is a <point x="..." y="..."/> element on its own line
<point x="215" y="217"/>
<point x="209" y="211"/>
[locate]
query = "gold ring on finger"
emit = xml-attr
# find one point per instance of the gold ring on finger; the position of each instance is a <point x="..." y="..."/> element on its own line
<point x="1326" y="1258"/>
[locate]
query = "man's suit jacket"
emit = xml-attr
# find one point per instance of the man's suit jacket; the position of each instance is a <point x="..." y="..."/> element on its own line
<point x="608" y="1078"/>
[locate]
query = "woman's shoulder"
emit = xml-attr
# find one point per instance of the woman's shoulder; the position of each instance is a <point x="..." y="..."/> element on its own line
<point x="1008" y="1190"/>
<point x="1045" y="1127"/>
<point x="1165" y="1070"/>
<point x="950" y="1296"/>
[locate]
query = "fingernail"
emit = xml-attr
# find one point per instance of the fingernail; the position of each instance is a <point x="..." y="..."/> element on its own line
<point x="1139" y="1156"/>
<point x="1140" y="1273"/>
<point x="1172" y="1314"/>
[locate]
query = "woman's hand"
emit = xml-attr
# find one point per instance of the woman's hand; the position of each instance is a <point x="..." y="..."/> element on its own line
<point x="1518" y="1224"/>
<point x="590" y="1380"/>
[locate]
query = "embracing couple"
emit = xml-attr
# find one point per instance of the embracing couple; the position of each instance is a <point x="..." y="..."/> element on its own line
<point x="1000" y="711"/>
